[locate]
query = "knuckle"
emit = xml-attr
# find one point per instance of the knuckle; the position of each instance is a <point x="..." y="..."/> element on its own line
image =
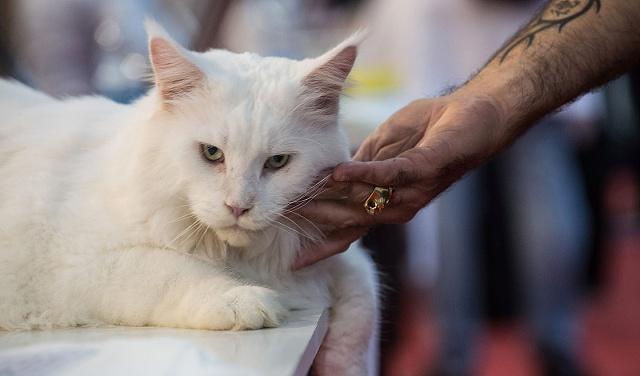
<point x="401" y="177"/>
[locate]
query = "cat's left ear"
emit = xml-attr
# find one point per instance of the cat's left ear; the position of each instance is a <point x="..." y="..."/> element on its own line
<point x="327" y="76"/>
<point x="174" y="74"/>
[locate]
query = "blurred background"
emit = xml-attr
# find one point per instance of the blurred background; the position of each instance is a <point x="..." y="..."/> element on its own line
<point x="528" y="266"/>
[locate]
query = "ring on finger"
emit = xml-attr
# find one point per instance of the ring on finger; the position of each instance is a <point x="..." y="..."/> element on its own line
<point x="377" y="200"/>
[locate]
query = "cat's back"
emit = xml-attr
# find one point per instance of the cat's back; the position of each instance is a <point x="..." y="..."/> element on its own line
<point x="24" y="108"/>
<point x="47" y="144"/>
<point x="32" y="121"/>
<point x="14" y="94"/>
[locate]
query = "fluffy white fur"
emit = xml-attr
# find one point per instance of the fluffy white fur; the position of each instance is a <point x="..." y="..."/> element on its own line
<point x="109" y="214"/>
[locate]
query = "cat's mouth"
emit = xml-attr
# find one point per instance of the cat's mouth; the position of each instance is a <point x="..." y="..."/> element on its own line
<point x="236" y="235"/>
<point x="237" y="228"/>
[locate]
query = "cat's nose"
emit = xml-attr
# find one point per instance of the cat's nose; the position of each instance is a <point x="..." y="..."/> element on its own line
<point x="236" y="210"/>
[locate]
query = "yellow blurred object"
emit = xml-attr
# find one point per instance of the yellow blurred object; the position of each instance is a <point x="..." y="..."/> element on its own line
<point x="375" y="80"/>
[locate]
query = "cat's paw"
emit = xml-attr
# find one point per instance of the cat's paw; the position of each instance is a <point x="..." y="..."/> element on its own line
<point x="255" y="307"/>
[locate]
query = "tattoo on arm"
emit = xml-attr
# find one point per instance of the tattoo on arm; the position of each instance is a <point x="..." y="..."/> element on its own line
<point x="557" y="14"/>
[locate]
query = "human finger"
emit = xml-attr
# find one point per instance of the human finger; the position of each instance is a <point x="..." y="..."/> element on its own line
<point x="391" y="172"/>
<point x="401" y="208"/>
<point x="350" y="191"/>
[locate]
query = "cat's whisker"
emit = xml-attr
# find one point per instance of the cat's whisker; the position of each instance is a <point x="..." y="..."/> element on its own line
<point x="183" y="217"/>
<point x="287" y="228"/>
<point x="194" y="234"/>
<point x="301" y="229"/>
<point x="307" y="200"/>
<point x="300" y="233"/>
<point x="309" y="195"/>
<point x="188" y="214"/>
<point x="185" y="231"/>
<point x="305" y="218"/>
<point x="206" y="229"/>
<point x="320" y="182"/>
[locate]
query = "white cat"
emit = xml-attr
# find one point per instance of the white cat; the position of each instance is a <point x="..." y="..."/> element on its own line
<point x="169" y="211"/>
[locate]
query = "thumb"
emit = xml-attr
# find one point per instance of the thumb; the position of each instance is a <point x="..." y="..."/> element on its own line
<point x="396" y="171"/>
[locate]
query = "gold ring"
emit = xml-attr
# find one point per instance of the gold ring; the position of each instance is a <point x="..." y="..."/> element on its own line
<point x="377" y="200"/>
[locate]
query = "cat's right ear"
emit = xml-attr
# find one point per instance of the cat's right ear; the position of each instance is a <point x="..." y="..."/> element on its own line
<point x="174" y="75"/>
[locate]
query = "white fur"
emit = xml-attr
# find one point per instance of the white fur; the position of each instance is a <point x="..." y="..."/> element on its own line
<point x="110" y="215"/>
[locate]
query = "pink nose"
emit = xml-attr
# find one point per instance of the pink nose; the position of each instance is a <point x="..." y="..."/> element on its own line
<point x="237" y="211"/>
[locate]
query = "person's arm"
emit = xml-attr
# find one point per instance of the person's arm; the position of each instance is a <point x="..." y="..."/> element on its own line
<point x="570" y="47"/>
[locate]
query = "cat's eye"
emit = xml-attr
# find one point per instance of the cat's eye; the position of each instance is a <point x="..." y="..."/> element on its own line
<point x="277" y="161"/>
<point x="212" y="153"/>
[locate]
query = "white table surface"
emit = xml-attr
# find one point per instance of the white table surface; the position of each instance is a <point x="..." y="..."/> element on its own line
<point x="287" y="350"/>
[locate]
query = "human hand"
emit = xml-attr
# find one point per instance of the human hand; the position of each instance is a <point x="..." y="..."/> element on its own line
<point x="419" y="151"/>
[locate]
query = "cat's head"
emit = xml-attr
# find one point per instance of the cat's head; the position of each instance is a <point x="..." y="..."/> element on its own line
<point x="244" y="134"/>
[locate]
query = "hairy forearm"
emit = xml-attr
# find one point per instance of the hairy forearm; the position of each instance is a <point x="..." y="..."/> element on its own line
<point x="570" y="47"/>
